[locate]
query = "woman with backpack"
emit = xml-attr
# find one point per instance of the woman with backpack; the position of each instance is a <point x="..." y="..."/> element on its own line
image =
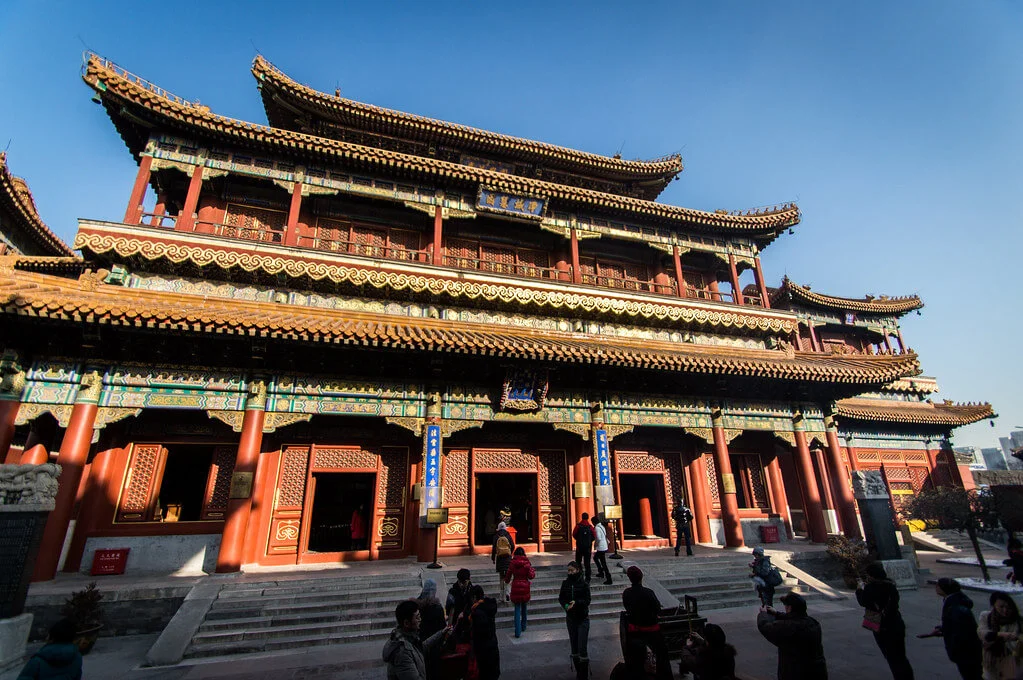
<point x="520" y="573"/>
<point x="766" y="576"/>
<point x="501" y="555"/>
<point x="1000" y="630"/>
<point x="880" y="599"/>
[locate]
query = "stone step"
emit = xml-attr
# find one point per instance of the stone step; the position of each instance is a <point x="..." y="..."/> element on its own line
<point x="340" y="587"/>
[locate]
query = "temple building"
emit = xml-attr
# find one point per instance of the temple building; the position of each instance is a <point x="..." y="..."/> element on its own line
<point x="304" y="336"/>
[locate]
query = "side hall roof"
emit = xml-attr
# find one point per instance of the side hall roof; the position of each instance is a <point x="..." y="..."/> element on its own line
<point x="88" y="300"/>
<point x="921" y="412"/>
<point x="136" y="106"/>
<point x="882" y="305"/>
<point x="16" y="196"/>
<point x="285" y="99"/>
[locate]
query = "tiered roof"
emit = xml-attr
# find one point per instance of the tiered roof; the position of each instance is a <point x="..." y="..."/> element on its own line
<point x="881" y="305"/>
<point x="135" y="106"/>
<point x="16" y="200"/>
<point x="946" y="414"/>
<point x="88" y="300"/>
<point x="287" y="102"/>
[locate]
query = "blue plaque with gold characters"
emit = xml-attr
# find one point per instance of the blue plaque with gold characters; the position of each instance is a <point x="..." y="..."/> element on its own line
<point x="513" y="205"/>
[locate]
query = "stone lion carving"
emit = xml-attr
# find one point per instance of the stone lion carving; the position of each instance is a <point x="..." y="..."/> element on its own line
<point x="29" y="484"/>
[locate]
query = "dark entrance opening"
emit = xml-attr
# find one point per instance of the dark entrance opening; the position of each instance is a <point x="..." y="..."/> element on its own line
<point x="337" y="496"/>
<point x="510" y="493"/>
<point x="183" y="486"/>
<point x="634" y="488"/>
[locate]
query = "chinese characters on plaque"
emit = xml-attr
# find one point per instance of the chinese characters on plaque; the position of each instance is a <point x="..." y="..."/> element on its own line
<point x="529" y="207"/>
<point x="432" y="476"/>
<point x="603" y="459"/>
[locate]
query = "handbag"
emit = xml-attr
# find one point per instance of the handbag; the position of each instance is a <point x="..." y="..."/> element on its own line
<point x="872" y="620"/>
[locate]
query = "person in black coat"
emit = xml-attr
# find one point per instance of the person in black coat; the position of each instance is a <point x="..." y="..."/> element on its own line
<point x="574" y="598"/>
<point x="482" y="623"/>
<point x="708" y="656"/>
<point x="880" y="595"/>
<point x="798" y="639"/>
<point x="958" y="629"/>
<point x="642" y="609"/>
<point x="1015" y="560"/>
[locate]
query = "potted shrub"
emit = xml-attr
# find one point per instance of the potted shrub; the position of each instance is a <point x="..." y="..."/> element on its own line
<point x="83" y="608"/>
<point x="853" y="556"/>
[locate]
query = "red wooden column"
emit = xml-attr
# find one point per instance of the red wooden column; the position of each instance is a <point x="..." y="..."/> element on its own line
<point x="291" y="233"/>
<point x="577" y="275"/>
<point x="898" y="336"/>
<point x="97" y="506"/>
<point x="186" y="219"/>
<point x="813" y="338"/>
<point x="583" y="472"/>
<point x="850" y="452"/>
<point x="701" y="499"/>
<point x="735" y="280"/>
<point x="778" y="495"/>
<point x="159" y="210"/>
<point x="726" y="486"/>
<point x="74" y="453"/>
<point x="437" y="247"/>
<point x="841" y="486"/>
<point x="760" y="282"/>
<point x="35" y="455"/>
<point x="232" y="543"/>
<point x="676" y="255"/>
<point x="133" y="215"/>
<point x="808" y="482"/>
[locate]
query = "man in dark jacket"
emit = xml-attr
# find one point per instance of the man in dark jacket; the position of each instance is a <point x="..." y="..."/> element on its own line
<point x="584" y="535"/>
<point x="403" y="651"/>
<point x="798" y="639"/>
<point x="574" y="598"/>
<point x="458" y="596"/>
<point x="641" y="610"/>
<point x="59" y="658"/>
<point x="683" y="517"/>
<point x="958" y="629"/>
<point x="483" y="626"/>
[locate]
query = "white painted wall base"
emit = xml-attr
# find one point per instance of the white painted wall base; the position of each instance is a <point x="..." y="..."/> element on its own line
<point x="831" y="521"/>
<point x="13" y="638"/>
<point x="67" y="544"/>
<point x="717" y="531"/>
<point x="173" y="555"/>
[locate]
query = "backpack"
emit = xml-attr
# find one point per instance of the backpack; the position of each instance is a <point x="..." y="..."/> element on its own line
<point x="683" y="515"/>
<point x="503" y="547"/>
<point x="773" y="578"/>
<point x="584" y="534"/>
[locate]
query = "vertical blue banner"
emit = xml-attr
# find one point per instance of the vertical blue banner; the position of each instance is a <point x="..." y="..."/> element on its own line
<point x="603" y="459"/>
<point x="432" y="463"/>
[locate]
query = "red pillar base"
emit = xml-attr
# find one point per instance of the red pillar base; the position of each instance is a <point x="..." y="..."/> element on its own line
<point x="646" y="520"/>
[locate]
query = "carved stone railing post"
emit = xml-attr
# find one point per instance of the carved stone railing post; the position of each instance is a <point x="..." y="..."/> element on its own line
<point x="27" y="496"/>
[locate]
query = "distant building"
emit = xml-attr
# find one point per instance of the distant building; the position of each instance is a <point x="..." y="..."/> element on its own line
<point x="975" y="456"/>
<point x="1010" y="444"/>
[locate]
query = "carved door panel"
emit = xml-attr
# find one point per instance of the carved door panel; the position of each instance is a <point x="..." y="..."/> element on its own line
<point x="141" y="483"/>
<point x="218" y="484"/>
<point x="289" y="499"/>
<point x="553" y="494"/>
<point x="456" y="498"/>
<point x="390" y="501"/>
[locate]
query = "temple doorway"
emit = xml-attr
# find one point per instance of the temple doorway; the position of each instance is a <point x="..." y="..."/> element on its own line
<point x="501" y="494"/>
<point x="644" y="512"/>
<point x="339" y="500"/>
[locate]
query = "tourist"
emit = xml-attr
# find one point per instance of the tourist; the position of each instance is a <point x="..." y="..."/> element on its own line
<point x="520" y="573"/>
<point x="482" y="623"/>
<point x="432" y="617"/>
<point x="358" y="528"/>
<point x="458" y="596"/>
<point x="59" y="658"/>
<point x="574" y="598"/>
<point x="501" y="555"/>
<point x="600" y="550"/>
<point x="642" y="609"/>
<point x="683" y="517"/>
<point x="708" y="656"/>
<point x="766" y="576"/>
<point x="403" y="650"/>
<point x="1015" y="560"/>
<point x="880" y="599"/>
<point x="798" y="639"/>
<point x="584" y="537"/>
<point x="958" y="629"/>
<point x="999" y="630"/>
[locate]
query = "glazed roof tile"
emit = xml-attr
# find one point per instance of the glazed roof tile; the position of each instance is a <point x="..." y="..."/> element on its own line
<point x="273" y="82"/>
<point x="14" y="192"/>
<point x="120" y="88"/>
<point x="873" y="305"/>
<point x="923" y="413"/>
<point x="87" y="300"/>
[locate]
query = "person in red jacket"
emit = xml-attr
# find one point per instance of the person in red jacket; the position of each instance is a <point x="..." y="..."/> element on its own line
<point x="520" y="573"/>
<point x="358" y="528"/>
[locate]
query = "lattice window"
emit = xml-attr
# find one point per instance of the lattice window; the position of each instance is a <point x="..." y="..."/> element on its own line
<point x="636" y="276"/>
<point x="254" y="224"/>
<point x="404" y="244"/>
<point x="552" y="477"/>
<point x="368" y="241"/>
<point x="920" y="478"/>
<point x="141" y="483"/>
<point x="218" y="486"/>
<point x="331" y="458"/>
<point x="461" y="253"/>
<point x="456" y="477"/>
<point x="512" y="459"/>
<point x="712" y="481"/>
<point x="393" y="478"/>
<point x="750" y="489"/>
<point x="292" y="478"/>
<point x="332" y="235"/>
<point x="533" y="263"/>
<point x="497" y="259"/>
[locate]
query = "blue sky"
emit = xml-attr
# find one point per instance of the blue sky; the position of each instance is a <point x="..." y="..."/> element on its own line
<point x="896" y="126"/>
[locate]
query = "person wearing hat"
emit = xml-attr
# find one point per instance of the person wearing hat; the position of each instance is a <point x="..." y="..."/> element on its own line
<point x="501" y="555"/>
<point x="574" y="598"/>
<point x="642" y="608"/>
<point x="798" y="639"/>
<point x="765" y="576"/>
<point x="958" y="629"/>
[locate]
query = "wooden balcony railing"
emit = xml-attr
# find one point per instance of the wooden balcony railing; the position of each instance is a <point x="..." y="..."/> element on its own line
<point x="261" y="233"/>
<point x="605" y="281"/>
<point x="333" y="245"/>
<point x="514" y="269"/>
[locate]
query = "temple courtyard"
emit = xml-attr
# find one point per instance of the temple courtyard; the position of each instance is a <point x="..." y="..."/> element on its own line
<point x="542" y="651"/>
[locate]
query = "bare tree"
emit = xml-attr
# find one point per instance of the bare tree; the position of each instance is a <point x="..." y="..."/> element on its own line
<point x="957" y="509"/>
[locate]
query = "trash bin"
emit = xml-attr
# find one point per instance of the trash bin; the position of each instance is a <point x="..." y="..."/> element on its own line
<point x="769" y="533"/>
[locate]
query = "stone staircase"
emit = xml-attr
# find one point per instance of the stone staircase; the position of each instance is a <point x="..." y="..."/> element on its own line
<point x="259" y="617"/>
<point x="717" y="580"/>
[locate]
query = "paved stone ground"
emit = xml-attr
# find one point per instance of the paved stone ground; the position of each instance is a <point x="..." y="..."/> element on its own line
<point x="542" y="654"/>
